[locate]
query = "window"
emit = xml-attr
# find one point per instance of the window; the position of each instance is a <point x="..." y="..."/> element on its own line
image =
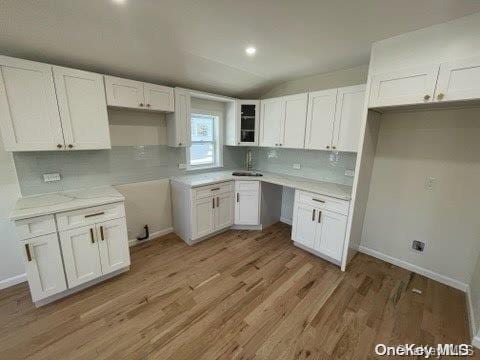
<point x="204" y="151"/>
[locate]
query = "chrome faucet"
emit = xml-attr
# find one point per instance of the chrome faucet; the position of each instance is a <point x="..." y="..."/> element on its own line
<point x="248" y="160"/>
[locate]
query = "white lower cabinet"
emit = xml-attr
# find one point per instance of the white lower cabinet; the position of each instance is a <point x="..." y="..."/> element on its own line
<point x="44" y="267"/>
<point x="319" y="224"/>
<point x="247" y="202"/>
<point x="224" y="212"/>
<point x="114" y="253"/>
<point x="203" y="217"/>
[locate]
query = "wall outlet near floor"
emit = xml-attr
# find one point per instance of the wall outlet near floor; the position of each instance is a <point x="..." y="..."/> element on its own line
<point x="182" y="166"/>
<point x="51" y="177"/>
<point x="296" y="166"/>
<point x="418" y="246"/>
<point x="349" y="173"/>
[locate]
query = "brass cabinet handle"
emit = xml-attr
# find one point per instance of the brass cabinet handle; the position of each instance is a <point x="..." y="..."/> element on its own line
<point x="319" y="216"/>
<point x="213" y="203"/>
<point x="238" y="197"/>
<point x="313" y="215"/>
<point x="91" y="236"/>
<point x="101" y="234"/>
<point x="440" y="96"/>
<point x="426" y="97"/>
<point x="218" y="202"/>
<point x="96" y="214"/>
<point x="318" y="200"/>
<point x="29" y="255"/>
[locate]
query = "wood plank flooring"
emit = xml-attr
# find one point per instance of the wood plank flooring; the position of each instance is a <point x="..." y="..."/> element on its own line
<point x="239" y="295"/>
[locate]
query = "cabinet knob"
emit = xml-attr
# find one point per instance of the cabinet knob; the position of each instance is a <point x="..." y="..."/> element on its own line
<point x="276" y="144"/>
<point x="148" y="105"/>
<point x="179" y="144"/>
<point x="426" y="97"/>
<point x="334" y="147"/>
<point x="59" y="146"/>
<point x="328" y="146"/>
<point x="141" y="104"/>
<point x="440" y="96"/>
<point x="70" y="146"/>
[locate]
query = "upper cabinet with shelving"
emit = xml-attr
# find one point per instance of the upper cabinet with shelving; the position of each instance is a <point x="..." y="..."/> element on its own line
<point x="435" y="83"/>
<point x="242" y="123"/>
<point x="45" y="107"/>
<point x="138" y="95"/>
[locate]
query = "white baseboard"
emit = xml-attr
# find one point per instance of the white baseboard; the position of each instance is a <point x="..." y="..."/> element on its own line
<point x="247" y="227"/>
<point x="476" y="342"/>
<point x="154" y="235"/>
<point x="286" y="221"/>
<point x="471" y="316"/>
<point x="416" y="269"/>
<point x="14" y="280"/>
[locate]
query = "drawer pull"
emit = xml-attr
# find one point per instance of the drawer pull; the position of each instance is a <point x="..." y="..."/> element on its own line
<point x="214" y="189"/>
<point x="218" y="202"/>
<point x="29" y="255"/>
<point x="318" y="200"/>
<point x="238" y="197"/>
<point x="213" y="203"/>
<point x="92" y="239"/>
<point x="319" y="216"/>
<point x="313" y="215"/>
<point x="101" y="233"/>
<point x="96" y="214"/>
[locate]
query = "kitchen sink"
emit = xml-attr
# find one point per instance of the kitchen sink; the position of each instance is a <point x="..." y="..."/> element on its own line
<point x="246" y="173"/>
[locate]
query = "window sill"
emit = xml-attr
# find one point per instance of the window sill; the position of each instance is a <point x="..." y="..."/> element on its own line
<point x="208" y="167"/>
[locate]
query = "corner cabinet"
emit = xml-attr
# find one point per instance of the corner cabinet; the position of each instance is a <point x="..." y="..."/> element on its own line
<point x="242" y="123"/>
<point x="319" y="224"/>
<point x="178" y="122"/>
<point x="247" y="202"/>
<point x="45" y="107"/>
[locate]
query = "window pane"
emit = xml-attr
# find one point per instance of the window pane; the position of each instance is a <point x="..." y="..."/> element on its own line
<point x="202" y="154"/>
<point x="202" y="128"/>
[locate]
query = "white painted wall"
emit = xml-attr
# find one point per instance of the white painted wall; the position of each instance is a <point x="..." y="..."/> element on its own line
<point x="411" y="147"/>
<point x="347" y="77"/>
<point x="11" y="263"/>
<point x="288" y="198"/>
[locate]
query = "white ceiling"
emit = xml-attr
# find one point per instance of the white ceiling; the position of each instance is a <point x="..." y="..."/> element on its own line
<point x="200" y="43"/>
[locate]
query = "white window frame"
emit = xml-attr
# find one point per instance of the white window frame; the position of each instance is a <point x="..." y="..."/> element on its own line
<point x="218" y="129"/>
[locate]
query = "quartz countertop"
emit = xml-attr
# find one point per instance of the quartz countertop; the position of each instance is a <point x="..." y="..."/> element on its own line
<point x="338" y="191"/>
<point x="38" y="205"/>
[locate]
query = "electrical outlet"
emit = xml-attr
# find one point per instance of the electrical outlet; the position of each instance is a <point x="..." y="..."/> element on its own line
<point x="418" y="245"/>
<point x="182" y="166"/>
<point x="51" y="177"/>
<point x="349" y="173"/>
<point x="430" y="183"/>
<point x="296" y="166"/>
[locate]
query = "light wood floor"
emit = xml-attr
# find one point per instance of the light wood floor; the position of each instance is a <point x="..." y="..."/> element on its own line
<point x="239" y="295"/>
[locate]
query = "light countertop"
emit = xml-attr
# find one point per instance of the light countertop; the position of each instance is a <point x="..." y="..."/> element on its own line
<point x="338" y="191"/>
<point x="38" y="205"/>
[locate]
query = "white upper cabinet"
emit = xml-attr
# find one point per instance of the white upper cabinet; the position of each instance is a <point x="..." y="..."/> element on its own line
<point x="158" y="97"/>
<point x="459" y="80"/>
<point x="407" y="86"/>
<point x="348" y="118"/>
<point x="83" y="110"/>
<point x="272" y="112"/>
<point x="293" y="124"/>
<point x="138" y="95"/>
<point x="29" y="118"/>
<point x="178" y="123"/>
<point x="242" y="123"/>
<point x="124" y="93"/>
<point x="320" y="119"/>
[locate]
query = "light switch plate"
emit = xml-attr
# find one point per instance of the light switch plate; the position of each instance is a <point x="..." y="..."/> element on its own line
<point x="350" y="173"/>
<point x="51" y="177"/>
<point x="182" y="166"/>
<point x="296" y="166"/>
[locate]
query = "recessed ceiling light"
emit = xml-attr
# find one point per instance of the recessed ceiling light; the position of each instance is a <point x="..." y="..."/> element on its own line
<point x="119" y="1"/>
<point x="250" y="50"/>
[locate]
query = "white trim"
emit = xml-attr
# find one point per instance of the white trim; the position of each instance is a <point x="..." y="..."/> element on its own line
<point x="286" y="221"/>
<point x="471" y="314"/>
<point x="14" y="280"/>
<point x="476" y="342"/>
<point x="416" y="269"/>
<point x="154" y="235"/>
<point x="246" y="227"/>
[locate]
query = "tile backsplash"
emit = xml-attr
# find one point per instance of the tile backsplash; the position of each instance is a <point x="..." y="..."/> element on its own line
<point x="314" y="164"/>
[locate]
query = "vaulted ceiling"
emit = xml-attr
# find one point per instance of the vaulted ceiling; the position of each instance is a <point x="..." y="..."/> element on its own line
<point x="200" y="43"/>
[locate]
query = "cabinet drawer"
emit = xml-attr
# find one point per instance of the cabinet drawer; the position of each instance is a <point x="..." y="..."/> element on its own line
<point x="77" y="218"/>
<point x="247" y="185"/>
<point x="37" y="226"/>
<point x="323" y="202"/>
<point x="212" y="190"/>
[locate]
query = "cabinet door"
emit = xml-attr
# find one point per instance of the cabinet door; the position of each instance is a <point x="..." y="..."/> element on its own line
<point x="29" y="118"/>
<point x="224" y="212"/>
<point x="124" y="93"/>
<point x="203" y="221"/>
<point x="303" y="224"/>
<point x="43" y="265"/>
<point x="160" y="98"/>
<point x="330" y="235"/>
<point x="320" y="119"/>
<point x="408" y="86"/>
<point x="272" y="112"/>
<point x="459" y="80"/>
<point x="83" y="110"/>
<point x="178" y="123"/>
<point x="248" y="122"/>
<point x="293" y="125"/>
<point x="247" y="207"/>
<point x="113" y="245"/>
<point x="80" y="255"/>
<point x="348" y="118"/>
